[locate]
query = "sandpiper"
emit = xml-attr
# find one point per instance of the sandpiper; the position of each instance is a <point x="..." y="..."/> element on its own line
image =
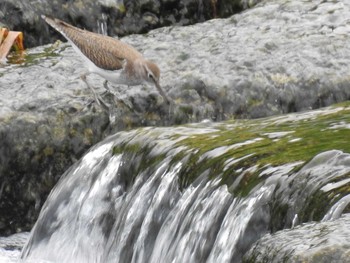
<point x="110" y="58"/>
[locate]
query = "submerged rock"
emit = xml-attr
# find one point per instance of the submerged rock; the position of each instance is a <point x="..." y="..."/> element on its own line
<point x="246" y="66"/>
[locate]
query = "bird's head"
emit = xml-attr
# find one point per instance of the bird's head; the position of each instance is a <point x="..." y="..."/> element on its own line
<point x="152" y="72"/>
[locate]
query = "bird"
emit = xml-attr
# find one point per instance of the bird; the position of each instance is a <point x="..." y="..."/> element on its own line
<point x="112" y="59"/>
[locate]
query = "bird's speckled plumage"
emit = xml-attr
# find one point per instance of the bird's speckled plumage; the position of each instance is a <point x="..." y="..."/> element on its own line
<point x="114" y="60"/>
<point x="104" y="51"/>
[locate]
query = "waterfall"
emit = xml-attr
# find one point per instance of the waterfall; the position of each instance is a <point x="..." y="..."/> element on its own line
<point x="99" y="212"/>
<point x="154" y="195"/>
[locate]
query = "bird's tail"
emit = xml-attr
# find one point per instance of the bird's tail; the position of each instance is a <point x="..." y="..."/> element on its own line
<point x="54" y="22"/>
<point x="59" y="25"/>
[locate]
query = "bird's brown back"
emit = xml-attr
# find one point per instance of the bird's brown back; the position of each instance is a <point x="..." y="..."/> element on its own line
<point x="104" y="51"/>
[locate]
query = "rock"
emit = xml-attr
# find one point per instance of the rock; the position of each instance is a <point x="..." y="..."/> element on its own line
<point x="120" y="17"/>
<point x="311" y="243"/>
<point x="246" y="66"/>
<point x="35" y="149"/>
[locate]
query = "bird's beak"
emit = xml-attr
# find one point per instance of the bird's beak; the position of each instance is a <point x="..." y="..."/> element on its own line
<point x="161" y="91"/>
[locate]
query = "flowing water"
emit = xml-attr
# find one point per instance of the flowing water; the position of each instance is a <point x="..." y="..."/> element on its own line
<point x="95" y="215"/>
<point x="159" y="195"/>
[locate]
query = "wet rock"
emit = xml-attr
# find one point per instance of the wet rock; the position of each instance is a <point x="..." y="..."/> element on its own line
<point x="295" y="207"/>
<point x="35" y="149"/>
<point x="311" y="243"/>
<point x="248" y="65"/>
<point x="120" y="17"/>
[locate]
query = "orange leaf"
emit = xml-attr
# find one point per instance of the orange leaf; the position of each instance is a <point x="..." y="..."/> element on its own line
<point x="9" y="39"/>
<point x="3" y="34"/>
<point x="19" y="42"/>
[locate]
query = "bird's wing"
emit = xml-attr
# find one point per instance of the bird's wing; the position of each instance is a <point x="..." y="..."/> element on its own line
<point x="104" y="51"/>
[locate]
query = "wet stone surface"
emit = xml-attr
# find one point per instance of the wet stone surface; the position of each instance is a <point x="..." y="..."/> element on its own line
<point x="119" y="17"/>
<point x="278" y="57"/>
<point x="312" y="243"/>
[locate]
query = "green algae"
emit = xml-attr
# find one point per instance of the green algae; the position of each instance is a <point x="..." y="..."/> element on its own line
<point x="300" y="141"/>
<point x="142" y="160"/>
<point x="311" y="137"/>
<point x="232" y="148"/>
<point x="32" y="57"/>
<point x="35" y="58"/>
<point x="183" y="56"/>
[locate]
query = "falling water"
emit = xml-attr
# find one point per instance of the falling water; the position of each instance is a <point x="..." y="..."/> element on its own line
<point x="130" y="199"/>
<point x="102" y="25"/>
<point x="99" y="212"/>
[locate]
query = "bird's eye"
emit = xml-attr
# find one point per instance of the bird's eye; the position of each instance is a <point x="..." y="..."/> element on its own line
<point x="150" y="76"/>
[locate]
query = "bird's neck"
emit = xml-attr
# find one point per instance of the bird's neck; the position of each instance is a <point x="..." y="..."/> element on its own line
<point x="135" y="69"/>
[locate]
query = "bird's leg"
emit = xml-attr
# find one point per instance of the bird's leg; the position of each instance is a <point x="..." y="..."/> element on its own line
<point x="105" y="85"/>
<point x="98" y="99"/>
<point x="108" y="90"/>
